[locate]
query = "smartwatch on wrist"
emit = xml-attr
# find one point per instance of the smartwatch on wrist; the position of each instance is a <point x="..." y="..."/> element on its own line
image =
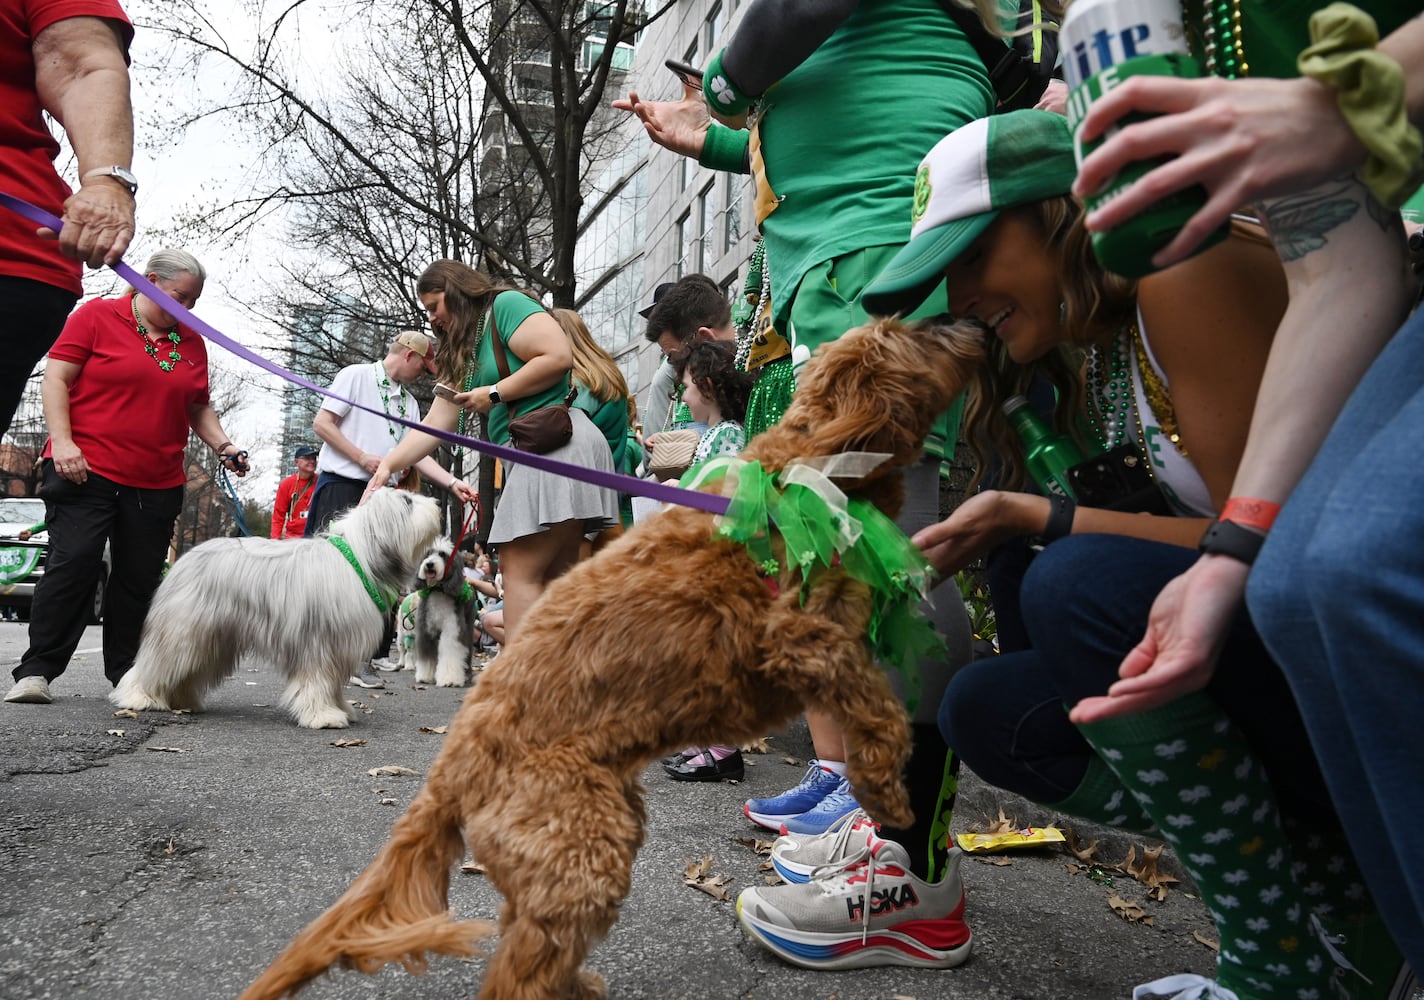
<point x="494" y="395"/>
<point x="1227" y="538"/>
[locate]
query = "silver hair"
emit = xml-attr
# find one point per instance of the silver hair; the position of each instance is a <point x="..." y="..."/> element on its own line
<point x="296" y="604"/>
<point x="444" y="628"/>
<point x="168" y="264"/>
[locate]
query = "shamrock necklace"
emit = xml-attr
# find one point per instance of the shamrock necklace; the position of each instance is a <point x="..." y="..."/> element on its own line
<point x="383" y="386"/>
<point x="173" y="356"/>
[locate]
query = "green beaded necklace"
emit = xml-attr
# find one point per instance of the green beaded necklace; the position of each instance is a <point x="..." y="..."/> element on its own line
<point x="1110" y="391"/>
<point x="1223" y="53"/>
<point x="383" y="386"/>
<point x="173" y="356"/>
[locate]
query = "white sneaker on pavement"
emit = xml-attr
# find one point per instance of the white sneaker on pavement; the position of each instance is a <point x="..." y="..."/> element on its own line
<point x="31" y="691"/>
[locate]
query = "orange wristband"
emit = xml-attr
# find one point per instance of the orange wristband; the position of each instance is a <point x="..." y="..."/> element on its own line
<point x="1250" y="513"/>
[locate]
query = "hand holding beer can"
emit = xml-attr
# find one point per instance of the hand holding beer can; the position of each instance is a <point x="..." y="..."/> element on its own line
<point x="1105" y="42"/>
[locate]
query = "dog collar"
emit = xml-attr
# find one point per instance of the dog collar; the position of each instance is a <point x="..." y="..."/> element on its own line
<point x="821" y="527"/>
<point x="377" y="598"/>
<point x="467" y="592"/>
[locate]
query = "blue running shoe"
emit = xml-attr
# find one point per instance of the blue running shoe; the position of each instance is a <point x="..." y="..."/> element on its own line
<point x="815" y="786"/>
<point x="841" y="802"/>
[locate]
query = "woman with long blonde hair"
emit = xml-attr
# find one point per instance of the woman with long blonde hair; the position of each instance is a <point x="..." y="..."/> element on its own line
<point x="603" y="395"/>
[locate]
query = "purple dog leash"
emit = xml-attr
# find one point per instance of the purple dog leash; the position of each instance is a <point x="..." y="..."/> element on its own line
<point x="710" y="502"/>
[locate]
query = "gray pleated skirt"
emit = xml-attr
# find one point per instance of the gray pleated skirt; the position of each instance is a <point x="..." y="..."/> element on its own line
<point x="532" y="501"/>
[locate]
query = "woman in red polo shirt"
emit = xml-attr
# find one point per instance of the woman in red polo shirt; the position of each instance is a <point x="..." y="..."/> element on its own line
<point x="122" y="387"/>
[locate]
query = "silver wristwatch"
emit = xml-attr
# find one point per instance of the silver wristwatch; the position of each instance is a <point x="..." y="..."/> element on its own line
<point x="123" y="175"/>
<point x="494" y="396"/>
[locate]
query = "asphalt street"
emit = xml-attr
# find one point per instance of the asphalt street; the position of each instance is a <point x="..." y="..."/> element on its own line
<point x="172" y="856"/>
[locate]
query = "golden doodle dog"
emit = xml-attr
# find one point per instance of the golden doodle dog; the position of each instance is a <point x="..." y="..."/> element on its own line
<point x="541" y="764"/>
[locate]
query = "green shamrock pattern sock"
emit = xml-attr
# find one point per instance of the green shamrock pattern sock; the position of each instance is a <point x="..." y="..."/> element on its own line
<point x="1191" y="770"/>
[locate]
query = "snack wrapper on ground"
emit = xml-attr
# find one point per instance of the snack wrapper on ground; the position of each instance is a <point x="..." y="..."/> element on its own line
<point x="1029" y="836"/>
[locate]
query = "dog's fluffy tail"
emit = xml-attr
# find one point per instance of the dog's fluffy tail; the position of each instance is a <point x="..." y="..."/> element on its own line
<point x="396" y="911"/>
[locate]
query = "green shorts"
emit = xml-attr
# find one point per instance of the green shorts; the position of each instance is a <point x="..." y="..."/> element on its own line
<point x="827" y="304"/>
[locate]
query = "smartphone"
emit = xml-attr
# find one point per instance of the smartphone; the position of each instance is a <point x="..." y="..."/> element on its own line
<point x="690" y="75"/>
<point x="445" y="392"/>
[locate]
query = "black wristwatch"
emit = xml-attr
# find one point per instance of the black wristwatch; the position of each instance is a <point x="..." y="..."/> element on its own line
<point x="494" y="396"/>
<point x="1227" y="538"/>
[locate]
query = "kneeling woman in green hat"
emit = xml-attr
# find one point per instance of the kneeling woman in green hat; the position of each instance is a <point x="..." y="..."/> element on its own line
<point x="1159" y="373"/>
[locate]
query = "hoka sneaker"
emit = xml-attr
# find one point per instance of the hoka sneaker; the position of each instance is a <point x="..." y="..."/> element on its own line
<point x="815" y="786"/>
<point x="871" y="913"/>
<point x="841" y="802"/>
<point x="796" y="856"/>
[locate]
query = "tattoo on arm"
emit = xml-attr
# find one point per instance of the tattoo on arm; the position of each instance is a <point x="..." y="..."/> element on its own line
<point x="1300" y="224"/>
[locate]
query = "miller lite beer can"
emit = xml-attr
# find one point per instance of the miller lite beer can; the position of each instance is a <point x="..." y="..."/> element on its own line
<point x="1104" y="42"/>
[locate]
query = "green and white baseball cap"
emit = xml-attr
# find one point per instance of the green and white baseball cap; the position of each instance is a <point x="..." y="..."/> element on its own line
<point x="960" y="187"/>
<point x="1413" y="208"/>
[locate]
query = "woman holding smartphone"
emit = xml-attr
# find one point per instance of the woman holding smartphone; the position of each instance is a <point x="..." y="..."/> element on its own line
<point x="541" y="517"/>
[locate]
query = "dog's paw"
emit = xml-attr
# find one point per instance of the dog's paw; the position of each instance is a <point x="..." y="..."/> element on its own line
<point x="137" y="700"/>
<point x="450" y="678"/>
<point x="588" y="986"/>
<point x="333" y="718"/>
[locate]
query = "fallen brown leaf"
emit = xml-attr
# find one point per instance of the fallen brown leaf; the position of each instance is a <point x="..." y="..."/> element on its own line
<point x="348" y="743"/>
<point x="1002" y="825"/>
<point x="168" y="749"/>
<point x="714" y="886"/>
<point x="756" y="746"/>
<point x="998" y="861"/>
<point x="756" y="845"/>
<point x="390" y="770"/>
<point x="696" y="874"/>
<point x="126" y="713"/>
<point x="1147" y="871"/>
<point x="1128" y="910"/>
<point x="436" y="730"/>
<point x="168" y="848"/>
<point x="473" y="867"/>
<point x="698" y="869"/>
<point x="1080" y="850"/>
<point x="116" y="732"/>
<point x="1203" y="939"/>
<point x="793" y="761"/>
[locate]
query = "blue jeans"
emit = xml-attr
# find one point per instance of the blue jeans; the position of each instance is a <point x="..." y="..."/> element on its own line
<point x="1338" y="593"/>
<point x="1085" y="603"/>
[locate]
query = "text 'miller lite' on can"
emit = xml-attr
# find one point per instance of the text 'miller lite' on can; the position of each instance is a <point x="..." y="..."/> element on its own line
<point x="1104" y="42"/>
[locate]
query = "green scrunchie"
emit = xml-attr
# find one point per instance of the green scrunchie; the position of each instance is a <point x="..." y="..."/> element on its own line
<point x="1369" y="88"/>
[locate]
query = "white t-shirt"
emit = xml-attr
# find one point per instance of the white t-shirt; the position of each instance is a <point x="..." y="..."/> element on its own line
<point x="367" y="431"/>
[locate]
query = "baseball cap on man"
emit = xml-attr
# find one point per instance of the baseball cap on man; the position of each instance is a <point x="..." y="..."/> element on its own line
<point x="416" y="341"/>
<point x="304" y="451"/>
<point x="658" y="294"/>
<point x="961" y="185"/>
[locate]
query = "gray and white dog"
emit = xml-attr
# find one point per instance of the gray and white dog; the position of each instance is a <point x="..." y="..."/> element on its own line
<point x="444" y="618"/>
<point x="304" y="605"/>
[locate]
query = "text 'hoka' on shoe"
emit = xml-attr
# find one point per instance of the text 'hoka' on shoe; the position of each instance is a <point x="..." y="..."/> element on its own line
<point x="874" y="913"/>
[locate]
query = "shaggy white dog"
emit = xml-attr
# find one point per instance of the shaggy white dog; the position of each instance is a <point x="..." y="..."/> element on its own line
<point x="300" y="604"/>
<point x="444" y="618"/>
